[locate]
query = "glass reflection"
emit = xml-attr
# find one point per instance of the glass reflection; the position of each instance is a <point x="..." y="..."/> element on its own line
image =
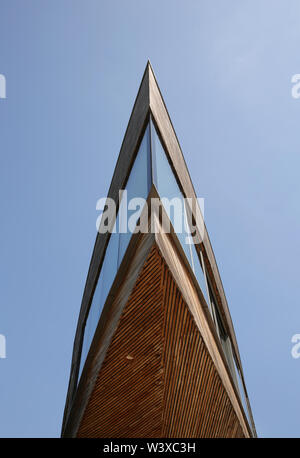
<point x="167" y="186"/>
<point x="138" y="185"/>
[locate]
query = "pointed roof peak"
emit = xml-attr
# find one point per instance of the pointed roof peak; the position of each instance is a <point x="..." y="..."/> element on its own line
<point x="149" y="67"/>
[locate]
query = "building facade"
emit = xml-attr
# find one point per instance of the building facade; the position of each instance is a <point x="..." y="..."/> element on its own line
<point x="155" y="353"/>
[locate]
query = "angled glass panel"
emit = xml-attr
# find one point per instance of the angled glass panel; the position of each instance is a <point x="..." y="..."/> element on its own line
<point x="138" y="186"/>
<point x="243" y="396"/>
<point x="199" y="274"/>
<point x="106" y="278"/>
<point x="167" y="186"/>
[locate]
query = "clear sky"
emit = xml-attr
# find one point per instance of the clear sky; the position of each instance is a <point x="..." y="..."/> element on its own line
<point x="73" y="68"/>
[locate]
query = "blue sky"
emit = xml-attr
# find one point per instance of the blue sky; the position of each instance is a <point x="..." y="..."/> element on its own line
<point x="73" y="69"/>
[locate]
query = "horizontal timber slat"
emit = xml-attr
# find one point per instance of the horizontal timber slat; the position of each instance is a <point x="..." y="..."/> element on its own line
<point x="157" y="378"/>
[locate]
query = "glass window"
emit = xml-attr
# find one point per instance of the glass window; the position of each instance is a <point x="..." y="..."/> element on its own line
<point x="167" y="187"/>
<point x="243" y="397"/>
<point x="227" y="348"/>
<point x="108" y="272"/>
<point x="199" y="274"/>
<point x="90" y="327"/>
<point x="138" y="185"/>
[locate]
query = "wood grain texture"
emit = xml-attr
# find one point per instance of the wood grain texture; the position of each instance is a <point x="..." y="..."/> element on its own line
<point x="157" y="378"/>
<point x="112" y="310"/>
<point x="188" y="286"/>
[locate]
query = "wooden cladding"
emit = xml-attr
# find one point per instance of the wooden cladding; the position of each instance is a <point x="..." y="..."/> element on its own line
<point x="157" y="378"/>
